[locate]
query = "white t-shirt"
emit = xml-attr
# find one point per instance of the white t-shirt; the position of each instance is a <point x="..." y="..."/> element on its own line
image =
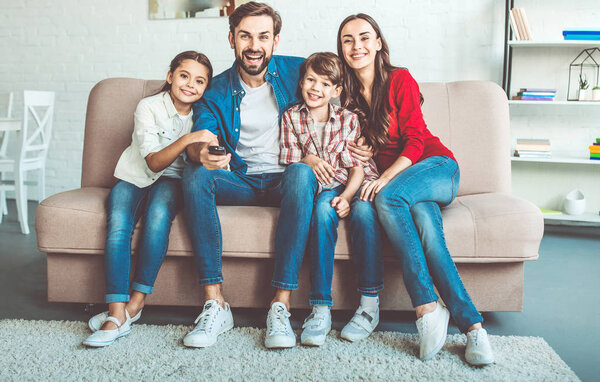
<point x="258" y="145"/>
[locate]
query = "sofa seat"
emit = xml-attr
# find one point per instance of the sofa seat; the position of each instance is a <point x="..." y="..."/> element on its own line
<point x="475" y="227"/>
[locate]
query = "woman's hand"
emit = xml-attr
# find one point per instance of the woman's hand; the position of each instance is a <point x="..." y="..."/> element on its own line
<point x="324" y="172"/>
<point x="341" y="206"/>
<point x="371" y="188"/>
<point x="360" y="150"/>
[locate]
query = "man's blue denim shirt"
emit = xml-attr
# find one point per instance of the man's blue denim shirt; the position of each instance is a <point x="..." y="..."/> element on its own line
<point x="219" y="110"/>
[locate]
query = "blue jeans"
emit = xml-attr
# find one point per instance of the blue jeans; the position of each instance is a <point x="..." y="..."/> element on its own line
<point x="409" y="211"/>
<point x="293" y="191"/>
<point x="366" y="249"/>
<point x="159" y="204"/>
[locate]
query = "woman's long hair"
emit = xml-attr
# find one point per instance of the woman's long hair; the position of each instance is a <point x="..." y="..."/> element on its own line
<point x="374" y="120"/>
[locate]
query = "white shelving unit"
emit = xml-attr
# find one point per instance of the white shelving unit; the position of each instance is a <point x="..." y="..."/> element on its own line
<point x="568" y="125"/>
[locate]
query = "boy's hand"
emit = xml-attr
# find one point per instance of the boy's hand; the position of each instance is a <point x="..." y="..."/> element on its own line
<point x="341" y="206"/>
<point x="360" y="150"/>
<point x="324" y="172"/>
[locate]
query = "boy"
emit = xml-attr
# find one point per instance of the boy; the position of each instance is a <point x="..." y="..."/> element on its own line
<point x="316" y="133"/>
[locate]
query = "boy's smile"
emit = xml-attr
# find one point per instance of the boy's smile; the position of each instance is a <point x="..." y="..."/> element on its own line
<point x="317" y="91"/>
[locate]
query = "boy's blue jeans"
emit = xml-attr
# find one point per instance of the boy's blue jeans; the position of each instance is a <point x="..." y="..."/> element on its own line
<point x="159" y="204"/>
<point x="293" y="191"/>
<point x="409" y="211"/>
<point x="365" y="233"/>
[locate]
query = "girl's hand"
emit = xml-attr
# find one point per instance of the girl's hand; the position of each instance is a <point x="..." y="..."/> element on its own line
<point x="324" y="172"/>
<point x="201" y="136"/>
<point x="341" y="206"/>
<point x="360" y="150"/>
<point x="372" y="188"/>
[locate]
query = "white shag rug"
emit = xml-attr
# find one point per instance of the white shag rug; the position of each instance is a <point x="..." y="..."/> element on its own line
<point x="52" y="351"/>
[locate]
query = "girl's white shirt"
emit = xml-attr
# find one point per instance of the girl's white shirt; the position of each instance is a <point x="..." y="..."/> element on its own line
<point x="156" y="125"/>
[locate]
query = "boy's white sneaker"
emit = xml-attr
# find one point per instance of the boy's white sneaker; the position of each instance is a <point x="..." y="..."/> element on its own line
<point x="316" y="327"/>
<point x="213" y="321"/>
<point x="433" y="328"/>
<point x="479" y="351"/>
<point x="361" y="325"/>
<point x="279" y="330"/>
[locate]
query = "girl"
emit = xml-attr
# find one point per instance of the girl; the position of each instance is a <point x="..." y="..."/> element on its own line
<point x="418" y="174"/>
<point x="149" y="173"/>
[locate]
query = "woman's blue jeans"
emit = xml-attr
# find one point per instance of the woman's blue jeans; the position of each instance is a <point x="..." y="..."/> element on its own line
<point x="158" y="203"/>
<point x="366" y="248"/>
<point x="409" y="211"/>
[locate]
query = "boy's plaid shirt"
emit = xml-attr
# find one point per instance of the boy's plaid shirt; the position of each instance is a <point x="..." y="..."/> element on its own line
<point x="299" y="138"/>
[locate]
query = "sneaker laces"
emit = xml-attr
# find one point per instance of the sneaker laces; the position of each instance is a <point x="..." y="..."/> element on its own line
<point x="422" y="325"/>
<point x="278" y="321"/>
<point x="474" y="336"/>
<point x="205" y="319"/>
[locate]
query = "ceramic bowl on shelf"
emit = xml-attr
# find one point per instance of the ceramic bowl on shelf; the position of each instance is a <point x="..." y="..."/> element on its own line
<point x="574" y="203"/>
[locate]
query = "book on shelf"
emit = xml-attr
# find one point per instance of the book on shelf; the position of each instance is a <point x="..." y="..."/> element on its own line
<point x="538" y="90"/>
<point x="519" y="24"/>
<point x="532" y="154"/>
<point x="547" y="211"/>
<point x="536" y="94"/>
<point x="532" y="98"/>
<point x="581" y="34"/>
<point x="534" y="147"/>
<point x="513" y="25"/>
<point x="525" y="24"/>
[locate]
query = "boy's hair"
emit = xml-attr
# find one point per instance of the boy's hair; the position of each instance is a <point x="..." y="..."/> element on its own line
<point x="253" y="8"/>
<point x="325" y="64"/>
<point x="189" y="55"/>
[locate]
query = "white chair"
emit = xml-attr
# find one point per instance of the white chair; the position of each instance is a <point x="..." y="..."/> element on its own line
<point x="32" y="149"/>
<point x="4" y="137"/>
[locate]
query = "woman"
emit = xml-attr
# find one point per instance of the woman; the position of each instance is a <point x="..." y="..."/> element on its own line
<point x="418" y="175"/>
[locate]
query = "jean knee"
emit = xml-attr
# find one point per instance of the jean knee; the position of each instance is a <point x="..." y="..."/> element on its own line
<point x="300" y="175"/>
<point x="323" y="213"/>
<point x="363" y="212"/>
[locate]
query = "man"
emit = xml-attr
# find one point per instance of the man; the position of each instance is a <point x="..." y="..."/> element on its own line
<point x="243" y="109"/>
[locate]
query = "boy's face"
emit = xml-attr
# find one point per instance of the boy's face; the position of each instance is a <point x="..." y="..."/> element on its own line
<point x="317" y="90"/>
<point x="254" y="43"/>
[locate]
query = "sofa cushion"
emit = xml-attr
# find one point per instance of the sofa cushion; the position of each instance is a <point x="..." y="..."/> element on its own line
<point x="475" y="226"/>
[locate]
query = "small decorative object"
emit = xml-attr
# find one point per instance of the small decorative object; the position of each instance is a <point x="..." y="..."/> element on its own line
<point x="583" y="87"/>
<point x="596" y="93"/>
<point x="584" y="71"/>
<point x="574" y="203"/>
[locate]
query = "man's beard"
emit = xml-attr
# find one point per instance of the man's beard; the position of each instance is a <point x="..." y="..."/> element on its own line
<point x="253" y="69"/>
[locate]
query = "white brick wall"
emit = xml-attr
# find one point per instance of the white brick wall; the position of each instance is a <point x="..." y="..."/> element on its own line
<point x="69" y="45"/>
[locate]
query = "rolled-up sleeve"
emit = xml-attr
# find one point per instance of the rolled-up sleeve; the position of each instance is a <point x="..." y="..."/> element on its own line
<point x="290" y="149"/>
<point x="352" y="132"/>
<point x="146" y="130"/>
<point x="412" y="132"/>
<point x="204" y="117"/>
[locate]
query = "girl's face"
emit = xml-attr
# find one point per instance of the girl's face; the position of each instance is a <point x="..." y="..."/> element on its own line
<point x="360" y="44"/>
<point x="188" y="82"/>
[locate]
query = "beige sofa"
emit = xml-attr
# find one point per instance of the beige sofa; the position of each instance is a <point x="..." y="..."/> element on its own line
<point x="490" y="233"/>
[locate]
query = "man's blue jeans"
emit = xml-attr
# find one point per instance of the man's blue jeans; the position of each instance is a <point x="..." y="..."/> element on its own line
<point x="409" y="211"/>
<point x="365" y="233"/>
<point x="293" y="191"/>
<point x="159" y="204"/>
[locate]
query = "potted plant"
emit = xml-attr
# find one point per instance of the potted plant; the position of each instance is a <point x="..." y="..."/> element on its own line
<point x="596" y="93"/>
<point x="583" y="86"/>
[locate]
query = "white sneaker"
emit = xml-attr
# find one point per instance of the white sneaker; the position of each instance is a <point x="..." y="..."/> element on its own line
<point x="101" y="338"/>
<point x="361" y="325"/>
<point x="213" y="321"/>
<point x="478" y="351"/>
<point x="279" y="330"/>
<point x="433" y="328"/>
<point x="96" y="322"/>
<point x="316" y="327"/>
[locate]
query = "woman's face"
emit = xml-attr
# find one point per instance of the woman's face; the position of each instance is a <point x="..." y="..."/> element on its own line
<point x="360" y="44"/>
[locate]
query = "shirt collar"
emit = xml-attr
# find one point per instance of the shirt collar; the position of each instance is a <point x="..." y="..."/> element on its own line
<point x="234" y="79"/>
<point x="334" y="110"/>
<point x="171" y="111"/>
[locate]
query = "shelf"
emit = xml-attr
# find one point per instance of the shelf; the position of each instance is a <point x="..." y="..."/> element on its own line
<point x="555" y="44"/>
<point x="559" y="158"/>
<point x="588" y="219"/>
<point x="547" y="103"/>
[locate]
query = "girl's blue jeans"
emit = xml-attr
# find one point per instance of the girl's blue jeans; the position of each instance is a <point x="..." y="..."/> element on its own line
<point x="127" y="203"/>
<point x="366" y="240"/>
<point x="409" y="212"/>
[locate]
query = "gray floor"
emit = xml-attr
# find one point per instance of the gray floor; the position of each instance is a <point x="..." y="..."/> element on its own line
<point x="562" y="304"/>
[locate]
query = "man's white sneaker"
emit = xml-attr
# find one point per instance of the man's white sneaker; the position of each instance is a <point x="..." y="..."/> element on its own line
<point x="316" y="327"/>
<point x="479" y="351"/>
<point x="101" y="338"/>
<point x="361" y="325"/>
<point x="433" y="328"/>
<point x="213" y="321"/>
<point x="96" y="322"/>
<point x="279" y="330"/>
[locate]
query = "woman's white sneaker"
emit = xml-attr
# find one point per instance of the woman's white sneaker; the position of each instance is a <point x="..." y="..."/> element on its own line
<point x="101" y="338"/>
<point x="279" y="330"/>
<point x="433" y="328"/>
<point x="479" y="351"/>
<point x="316" y="326"/>
<point x="213" y="321"/>
<point x="96" y="322"/>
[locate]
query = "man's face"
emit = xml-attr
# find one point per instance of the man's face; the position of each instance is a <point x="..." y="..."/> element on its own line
<point x="254" y="43"/>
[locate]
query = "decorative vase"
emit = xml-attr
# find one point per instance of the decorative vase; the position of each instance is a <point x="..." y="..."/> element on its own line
<point x="574" y="203"/>
<point x="596" y="94"/>
<point x="583" y="94"/>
